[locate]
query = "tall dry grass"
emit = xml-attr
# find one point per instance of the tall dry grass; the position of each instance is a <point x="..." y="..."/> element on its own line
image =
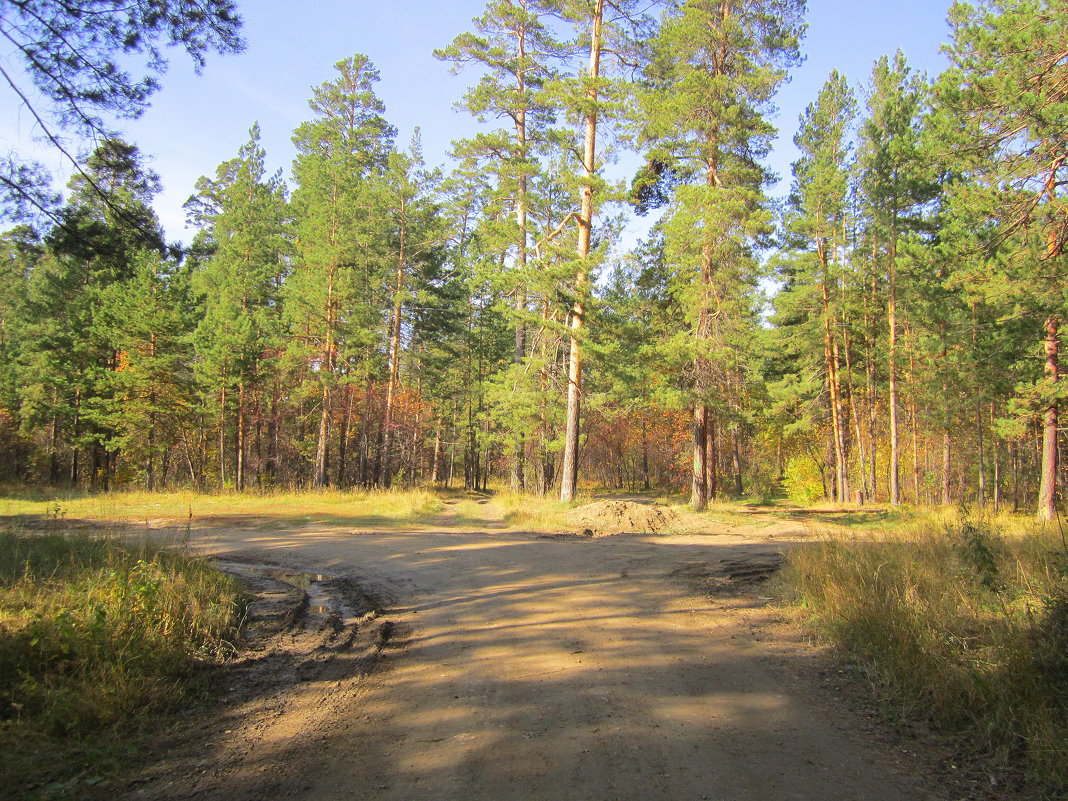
<point x="331" y="504"/>
<point x="97" y="637"/>
<point x="961" y="620"/>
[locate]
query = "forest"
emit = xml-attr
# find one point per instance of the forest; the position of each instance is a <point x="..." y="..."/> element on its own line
<point x="888" y="332"/>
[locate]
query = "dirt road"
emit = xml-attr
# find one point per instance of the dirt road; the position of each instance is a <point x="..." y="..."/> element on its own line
<point x="442" y="664"/>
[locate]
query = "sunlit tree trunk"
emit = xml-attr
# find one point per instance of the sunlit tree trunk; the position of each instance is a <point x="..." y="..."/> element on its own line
<point x="1047" y="490"/>
<point x="569" y="471"/>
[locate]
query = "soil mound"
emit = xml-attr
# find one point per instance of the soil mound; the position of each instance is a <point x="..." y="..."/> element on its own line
<point x="605" y="518"/>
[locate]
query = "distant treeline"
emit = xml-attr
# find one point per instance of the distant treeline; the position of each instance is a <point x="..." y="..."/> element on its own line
<point x="373" y="322"/>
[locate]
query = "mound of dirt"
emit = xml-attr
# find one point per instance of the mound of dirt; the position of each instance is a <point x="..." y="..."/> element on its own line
<point x="605" y="518"/>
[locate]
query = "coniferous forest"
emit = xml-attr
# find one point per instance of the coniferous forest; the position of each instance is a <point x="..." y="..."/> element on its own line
<point x="888" y="332"/>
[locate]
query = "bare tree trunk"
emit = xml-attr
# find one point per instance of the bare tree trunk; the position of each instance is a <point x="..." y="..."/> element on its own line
<point x="222" y="435"/>
<point x="699" y="490"/>
<point x="319" y="475"/>
<point x="997" y="463"/>
<point x="569" y="472"/>
<point x="343" y="440"/>
<point x="240" y="455"/>
<point x="737" y="459"/>
<point x="1047" y="490"/>
<point x="830" y="367"/>
<point x="394" y="361"/>
<point x="982" y="452"/>
<point x="1015" y="455"/>
<point x="873" y="412"/>
<point x="645" y="455"/>
<point x="435" y="465"/>
<point x="891" y="314"/>
<point x="710" y="461"/>
<point x="855" y="417"/>
<point x="947" y="454"/>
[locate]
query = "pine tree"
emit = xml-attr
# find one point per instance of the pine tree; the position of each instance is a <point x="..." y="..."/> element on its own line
<point x="895" y="184"/>
<point x="244" y="212"/>
<point x="818" y="218"/>
<point x="333" y="298"/>
<point x="717" y="67"/>
<point x="1006" y="92"/>
<point x="513" y="41"/>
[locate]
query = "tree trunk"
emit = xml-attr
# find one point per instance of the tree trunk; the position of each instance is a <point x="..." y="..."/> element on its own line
<point x="240" y="455"/>
<point x="891" y="314"/>
<point x="947" y="455"/>
<point x="435" y="465"/>
<point x="982" y="451"/>
<point x="699" y="490"/>
<point x="222" y="436"/>
<point x="1047" y="491"/>
<point x="364" y="477"/>
<point x="713" y="457"/>
<point x="737" y="460"/>
<point x="645" y="455"/>
<point x="569" y="472"/>
<point x="830" y="366"/>
<point x="394" y="359"/>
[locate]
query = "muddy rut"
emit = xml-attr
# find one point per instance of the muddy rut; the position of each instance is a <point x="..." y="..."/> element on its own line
<point x="437" y="664"/>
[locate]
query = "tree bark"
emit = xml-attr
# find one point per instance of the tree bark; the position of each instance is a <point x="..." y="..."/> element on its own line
<point x="699" y="491"/>
<point x="394" y="360"/>
<point x="1047" y="491"/>
<point x="569" y="472"/>
<point x="891" y="314"/>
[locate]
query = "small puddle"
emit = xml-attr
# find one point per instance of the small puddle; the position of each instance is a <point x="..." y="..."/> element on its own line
<point x="320" y="602"/>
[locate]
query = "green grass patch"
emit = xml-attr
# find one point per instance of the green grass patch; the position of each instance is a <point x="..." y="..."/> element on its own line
<point x="97" y="639"/>
<point x="959" y="620"/>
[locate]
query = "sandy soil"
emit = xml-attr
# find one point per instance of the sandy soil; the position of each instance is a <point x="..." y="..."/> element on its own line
<point x="436" y="663"/>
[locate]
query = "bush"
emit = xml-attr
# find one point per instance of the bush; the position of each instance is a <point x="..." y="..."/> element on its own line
<point x="802" y="480"/>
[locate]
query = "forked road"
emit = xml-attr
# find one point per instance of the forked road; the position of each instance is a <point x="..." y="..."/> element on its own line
<point x="537" y="668"/>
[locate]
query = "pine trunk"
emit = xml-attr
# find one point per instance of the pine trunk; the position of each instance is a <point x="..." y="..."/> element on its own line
<point x="699" y="491"/>
<point x="1047" y="491"/>
<point x="569" y="471"/>
<point x="394" y="362"/>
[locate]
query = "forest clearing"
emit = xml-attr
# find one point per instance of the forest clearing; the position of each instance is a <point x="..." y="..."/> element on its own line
<point x="613" y="448"/>
<point x="470" y="645"/>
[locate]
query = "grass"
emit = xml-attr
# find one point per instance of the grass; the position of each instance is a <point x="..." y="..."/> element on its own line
<point x="334" y="506"/>
<point x="97" y="638"/>
<point x="956" y="619"/>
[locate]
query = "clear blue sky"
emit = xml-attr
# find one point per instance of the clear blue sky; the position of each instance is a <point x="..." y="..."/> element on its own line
<point x="197" y="122"/>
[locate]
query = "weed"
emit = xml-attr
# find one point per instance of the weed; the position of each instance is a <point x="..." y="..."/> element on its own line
<point x="95" y="637"/>
<point x="961" y="621"/>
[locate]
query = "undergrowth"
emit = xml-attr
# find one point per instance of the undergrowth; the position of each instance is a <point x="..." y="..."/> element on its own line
<point x="97" y="637"/>
<point x="960" y="621"/>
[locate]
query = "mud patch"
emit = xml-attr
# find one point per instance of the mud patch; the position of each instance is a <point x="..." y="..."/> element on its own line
<point x="608" y="518"/>
<point x="730" y="576"/>
<point x="309" y="642"/>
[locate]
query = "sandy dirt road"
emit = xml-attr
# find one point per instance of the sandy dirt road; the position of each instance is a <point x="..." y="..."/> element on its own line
<point x="443" y="664"/>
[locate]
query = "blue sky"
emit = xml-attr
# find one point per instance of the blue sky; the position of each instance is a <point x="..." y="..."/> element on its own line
<point x="196" y="122"/>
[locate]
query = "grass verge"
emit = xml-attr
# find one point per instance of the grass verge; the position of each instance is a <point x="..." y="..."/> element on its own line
<point x="97" y="639"/>
<point x="959" y="620"/>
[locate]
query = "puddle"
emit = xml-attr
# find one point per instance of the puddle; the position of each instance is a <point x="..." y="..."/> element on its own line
<point x="302" y="580"/>
<point x="320" y="602"/>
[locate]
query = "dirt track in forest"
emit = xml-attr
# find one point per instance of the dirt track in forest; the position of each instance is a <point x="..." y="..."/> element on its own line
<point x="444" y="663"/>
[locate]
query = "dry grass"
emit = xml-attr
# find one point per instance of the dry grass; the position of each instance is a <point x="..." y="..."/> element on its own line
<point x="960" y="620"/>
<point x="354" y="507"/>
<point x="96" y="638"/>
